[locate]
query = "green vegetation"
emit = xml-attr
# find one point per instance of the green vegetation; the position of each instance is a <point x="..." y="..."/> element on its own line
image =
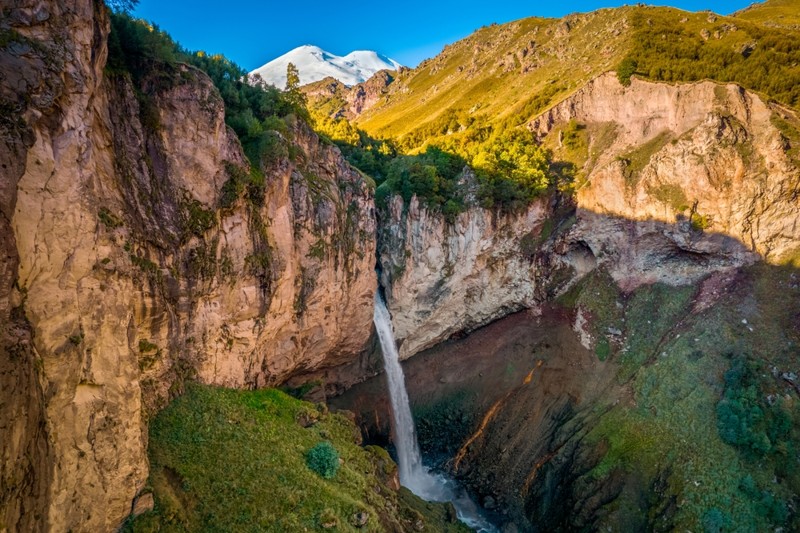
<point x="625" y="70"/>
<point x="146" y="346"/>
<point x="672" y="45"/>
<point x="323" y="459"/>
<point x="700" y="222"/>
<point x="712" y="417"/>
<point x="224" y="460"/>
<point x="790" y="129"/>
<point x="745" y="419"/>
<point x="431" y="176"/>
<point x="772" y="13"/>
<point x="109" y="219"/>
<point x="637" y="160"/>
<point x="196" y="220"/>
<point x="671" y="195"/>
<point x="498" y="78"/>
<point x="511" y="169"/>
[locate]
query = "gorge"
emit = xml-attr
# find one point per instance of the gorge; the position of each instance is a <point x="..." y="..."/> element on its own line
<point x="619" y="350"/>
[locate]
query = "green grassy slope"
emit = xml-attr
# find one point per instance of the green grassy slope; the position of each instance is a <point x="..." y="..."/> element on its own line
<point x="773" y="13"/>
<point x="503" y="75"/>
<point x="501" y="71"/>
<point x="712" y="422"/>
<point x="224" y="460"/>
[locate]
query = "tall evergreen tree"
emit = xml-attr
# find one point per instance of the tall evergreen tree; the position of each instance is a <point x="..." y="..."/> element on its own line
<point x="294" y="95"/>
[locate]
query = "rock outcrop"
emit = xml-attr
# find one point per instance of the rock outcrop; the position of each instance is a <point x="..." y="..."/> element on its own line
<point x="364" y="96"/>
<point x="446" y="278"/>
<point x="339" y="100"/>
<point x="131" y="266"/>
<point x="713" y="155"/>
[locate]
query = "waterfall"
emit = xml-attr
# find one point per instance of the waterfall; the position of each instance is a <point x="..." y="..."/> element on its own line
<point x="413" y="474"/>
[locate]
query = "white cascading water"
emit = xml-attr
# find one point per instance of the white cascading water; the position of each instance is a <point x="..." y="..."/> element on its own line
<point x="413" y="474"/>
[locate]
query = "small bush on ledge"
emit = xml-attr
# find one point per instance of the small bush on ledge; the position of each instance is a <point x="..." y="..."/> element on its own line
<point x="323" y="459"/>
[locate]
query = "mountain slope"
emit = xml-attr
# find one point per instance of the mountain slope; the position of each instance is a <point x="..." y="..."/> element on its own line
<point x="773" y="13"/>
<point x="504" y="75"/>
<point x="315" y="64"/>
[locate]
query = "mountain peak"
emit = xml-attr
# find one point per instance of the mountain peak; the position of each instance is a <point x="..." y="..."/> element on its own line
<point x="314" y="64"/>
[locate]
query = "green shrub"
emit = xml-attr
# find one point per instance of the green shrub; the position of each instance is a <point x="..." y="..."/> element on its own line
<point x="745" y="419"/>
<point x="146" y="346"/>
<point x="323" y="459"/>
<point x="109" y="219"/>
<point x="195" y="218"/>
<point x="625" y="70"/>
<point x="716" y="521"/>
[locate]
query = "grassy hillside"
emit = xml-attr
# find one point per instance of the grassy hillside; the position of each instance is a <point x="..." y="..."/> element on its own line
<point x="773" y="13"/>
<point x="224" y="460"/>
<point x="500" y="71"/>
<point x="503" y="75"/>
<point x="712" y="424"/>
<point x="675" y="47"/>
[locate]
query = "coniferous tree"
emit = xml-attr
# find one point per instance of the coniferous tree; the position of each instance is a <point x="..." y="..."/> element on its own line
<point x="294" y="95"/>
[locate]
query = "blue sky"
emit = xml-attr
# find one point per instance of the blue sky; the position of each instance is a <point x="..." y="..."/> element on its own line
<point x="252" y="32"/>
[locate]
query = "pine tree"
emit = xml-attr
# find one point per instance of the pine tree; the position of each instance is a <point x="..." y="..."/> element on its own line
<point x="294" y="95"/>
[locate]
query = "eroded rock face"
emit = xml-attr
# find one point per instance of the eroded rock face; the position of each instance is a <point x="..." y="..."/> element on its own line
<point x="678" y="181"/>
<point x="704" y="152"/>
<point x="444" y="278"/>
<point x="129" y="269"/>
<point x="350" y="102"/>
<point x="364" y="96"/>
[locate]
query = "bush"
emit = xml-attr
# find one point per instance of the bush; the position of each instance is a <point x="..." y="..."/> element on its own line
<point x="625" y="70"/>
<point x="745" y="419"/>
<point x="323" y="459"/>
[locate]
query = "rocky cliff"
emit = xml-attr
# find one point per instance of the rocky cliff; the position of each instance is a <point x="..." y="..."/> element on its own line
<point x="336" y="100"/>
<point x="713" y="155"/>
<point x="673" y="182"/>
<point x="446" y="278"/>
<point x="135" y="262"/>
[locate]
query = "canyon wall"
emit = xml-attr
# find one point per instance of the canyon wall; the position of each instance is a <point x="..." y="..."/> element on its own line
<point x="135" y="263"/>
<point x="446" y="278"/>
<point x="139" y="253"/>
<point x="711" y="154"/>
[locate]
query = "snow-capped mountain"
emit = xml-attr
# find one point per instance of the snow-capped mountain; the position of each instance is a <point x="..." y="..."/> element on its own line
<point x="314" y="64"/>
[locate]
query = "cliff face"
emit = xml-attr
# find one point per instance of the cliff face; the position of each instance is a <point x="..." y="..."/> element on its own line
<point x="674" y="182"/>
<point x="711" y="154"/>
<point x="443" y="278"/>
<point x="131" y="266"/>
<point x="338" y="100"/>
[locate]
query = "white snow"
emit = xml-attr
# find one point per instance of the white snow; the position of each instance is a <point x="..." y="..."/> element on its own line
<point x="314" y="64"/>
